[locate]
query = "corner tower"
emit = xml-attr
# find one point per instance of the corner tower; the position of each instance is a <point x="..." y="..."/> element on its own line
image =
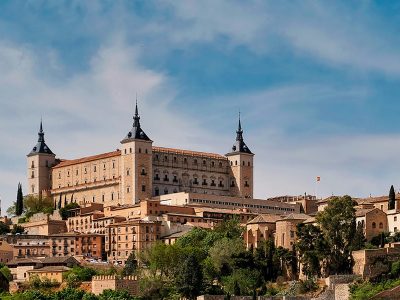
<point x="40" y="160"/>
<point x="136" y="164"/>
<point x="241" y="163"/>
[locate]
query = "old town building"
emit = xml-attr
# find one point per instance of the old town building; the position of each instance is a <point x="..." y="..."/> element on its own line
<point x="139" y="170"/>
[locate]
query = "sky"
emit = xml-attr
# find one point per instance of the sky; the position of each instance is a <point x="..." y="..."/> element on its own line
<point x="317" y="84"/>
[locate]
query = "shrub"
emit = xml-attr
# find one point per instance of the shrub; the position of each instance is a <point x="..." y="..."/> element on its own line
<point x="309" y="285"/>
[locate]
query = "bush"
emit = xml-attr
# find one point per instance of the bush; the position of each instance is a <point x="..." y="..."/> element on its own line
<point x="309" y="285"/>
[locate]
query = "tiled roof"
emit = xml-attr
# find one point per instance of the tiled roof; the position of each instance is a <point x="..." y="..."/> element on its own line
<point x="23" y="261"/>
<point x="57" y="259"/>
<point x="50" y="269"/>
<point x="294" y="216"/>
<point x="188" y="152"/>
<point x="363" y="211"/>
<point x="264" y="218"/>
<point x="65" y="163"/>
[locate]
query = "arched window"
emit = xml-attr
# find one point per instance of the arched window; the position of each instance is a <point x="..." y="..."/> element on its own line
<point x="235" y="162"/>
<point x="380" y="225"/>
<point x="140" y="150"/>
<point x="248" y="164"/>
<point x="373" y="225"/>
<point x="243" y="163"/>
<point x="165" y="191"/>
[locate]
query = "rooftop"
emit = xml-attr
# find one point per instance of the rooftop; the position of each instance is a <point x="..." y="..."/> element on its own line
<point x="65" y="163"/>
<point x="188" y="152"/>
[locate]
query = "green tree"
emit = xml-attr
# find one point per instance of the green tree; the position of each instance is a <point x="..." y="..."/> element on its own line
<point x="4" y="228"/>
<point x="190" y="277"/>
<point x="267" y="261"/>
<point x="392" y="198"/>
<point x="6" y="272"/>
<point x="115" y="295"/>
<point x="359" y="238"/>
<point x="65" y="211"/>
<point x="311" y="247"/>
<point x="68" y="294"/>
<point x="19" y="206"/>
<point x="338" y="225"/>
<point x="34" y="204"/>
<point x="17" y="229"/>
<point x="130" y="265"/>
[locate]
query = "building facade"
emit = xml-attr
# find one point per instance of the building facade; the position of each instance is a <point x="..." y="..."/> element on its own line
<point x="139" y="170"/>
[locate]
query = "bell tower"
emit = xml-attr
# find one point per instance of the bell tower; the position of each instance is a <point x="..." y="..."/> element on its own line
<point x="241" y="163"/>
<point x="40" y="160"/>
<point x="136" y="164"/>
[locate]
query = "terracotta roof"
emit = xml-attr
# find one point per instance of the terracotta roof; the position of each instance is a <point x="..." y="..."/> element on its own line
<point x="59" y="259"/>
<point x="310" y="220"/>
<point x="189" y="152"/>
<point x="24" y="261"/>
<point x="50" y="269"/>
<point x="363" y="211"/>
<point x="70" y="162"/>
<point x="294" y="216"/>
<point x="264" y="218"/>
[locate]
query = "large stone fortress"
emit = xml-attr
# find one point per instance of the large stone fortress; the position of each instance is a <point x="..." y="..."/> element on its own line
<point x="138" y="171"/>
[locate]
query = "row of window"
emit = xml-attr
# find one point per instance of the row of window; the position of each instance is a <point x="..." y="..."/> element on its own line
<point x="195" y="162"/>
<point x="238" y="204"/>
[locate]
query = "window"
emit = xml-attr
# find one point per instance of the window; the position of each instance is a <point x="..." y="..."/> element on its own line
<point x="380" y="225"/>
<point x="112" y="196"/>
<point x="212" y="164"/>
<point x="243" y="163"/>
<point x="292" y="234"/>
<point x="166" y="177"/>
<point x="140" y="150"/>
<point x="395" y="218"/>
<point x="246" y="183"/>
<point x="174" y="159"/>
<point x="33" y="174"/>
<point x="32" y="164"/>
<point x="185" y="160"/>
<point x="248" y="164"/>
<point x="165" y="191"/>
<point x="113" y="165"/>
<point x="143" y="188"/>
<point x="204" y="162"/>
<point x="102" y="198"/>
<point x="130" y="150"/>
<point x="94" y="169"/>
<point x="235" y="162"/>
<point x="373" y="225"/>
<point x="232" y="184"/>
<point x="33" y="188"/>
<point x="195" y="162"/>
<point x="127" y="172"/>
<point x="143" y="172"/>
<point x="127" y="189"/>
<point x="395" y="229"/>
<point x="156" y="191"/>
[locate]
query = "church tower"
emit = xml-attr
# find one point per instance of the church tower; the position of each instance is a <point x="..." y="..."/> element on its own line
<point x="136" y="164"/>
<point x="40" y="160"/>
<point x="241" y="163"/>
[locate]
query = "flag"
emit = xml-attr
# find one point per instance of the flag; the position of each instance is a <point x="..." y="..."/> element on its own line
<point x="318" y="178"/>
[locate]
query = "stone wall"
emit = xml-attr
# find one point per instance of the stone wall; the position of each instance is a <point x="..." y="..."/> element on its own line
<point x="112" y="282"/>
<point x="370" y="263"/>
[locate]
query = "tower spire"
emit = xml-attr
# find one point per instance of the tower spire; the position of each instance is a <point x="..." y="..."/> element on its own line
<point x="136" y="132"/>
<point x="240" y="145"/>
<point x="41" y="146"/>
<point x="41" y="133"/>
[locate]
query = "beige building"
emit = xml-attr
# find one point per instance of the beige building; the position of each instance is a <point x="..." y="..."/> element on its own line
<point x="52" y="273"/>
<point x="130" y="236"/>
<point x="260" y="229"/>
<point x="373" y="220"/>
<point x="286" y="229"/>
<point x="139" y="170"/>
<point x="6" y="252"/>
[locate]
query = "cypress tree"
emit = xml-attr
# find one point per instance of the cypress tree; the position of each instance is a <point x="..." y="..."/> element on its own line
<point x="392" y="198"/>
<point x="19" y="205"/>
<point x="59" y="202"/>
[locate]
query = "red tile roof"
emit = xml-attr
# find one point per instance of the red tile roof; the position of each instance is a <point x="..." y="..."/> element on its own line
<point x="188" y="152"/>
<point x="65" y="163"/>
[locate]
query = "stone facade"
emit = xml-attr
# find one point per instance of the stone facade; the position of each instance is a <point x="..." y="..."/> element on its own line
<point x="286" y="228"/>
<point x="101" y="283"/>
<point x="138" y="171"/>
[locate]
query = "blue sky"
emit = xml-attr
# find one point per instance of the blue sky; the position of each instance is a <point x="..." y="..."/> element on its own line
<point x="317" y="84"/>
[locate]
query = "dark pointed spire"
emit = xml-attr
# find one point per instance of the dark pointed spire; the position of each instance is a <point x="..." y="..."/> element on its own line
<point x="136" y="132"/>
<point x="240" y="145"/>
<point x="41" y="133"/>
<point x="41" y="146"/>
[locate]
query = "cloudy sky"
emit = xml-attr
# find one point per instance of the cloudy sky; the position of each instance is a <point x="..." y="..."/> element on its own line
<point x="317" y="84"/>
